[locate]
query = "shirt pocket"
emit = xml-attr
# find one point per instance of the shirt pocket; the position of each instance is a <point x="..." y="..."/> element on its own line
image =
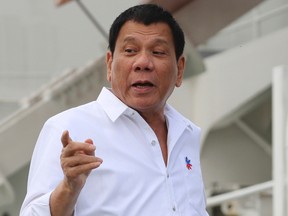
<point x="195" y="188"/>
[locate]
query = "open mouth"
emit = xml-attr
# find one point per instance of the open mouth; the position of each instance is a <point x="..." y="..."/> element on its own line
<point x="142" y="84"/>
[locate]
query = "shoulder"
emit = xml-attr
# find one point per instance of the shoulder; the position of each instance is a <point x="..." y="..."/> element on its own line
<point x="76" y="114"/>
<point x="80" y="121"/>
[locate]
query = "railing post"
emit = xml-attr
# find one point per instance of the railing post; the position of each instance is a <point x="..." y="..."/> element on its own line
<point x="280" y="136"/>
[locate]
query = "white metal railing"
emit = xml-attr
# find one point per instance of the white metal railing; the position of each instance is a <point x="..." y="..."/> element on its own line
<point x="260" y="141"/>
<point x="279" y="184"/>
<point x="68" y="79"/>
<point x="259" y="24"/>
<point x="280" y="140"/>
<point x="240" y="193"/>
<point x="257" y="19"/>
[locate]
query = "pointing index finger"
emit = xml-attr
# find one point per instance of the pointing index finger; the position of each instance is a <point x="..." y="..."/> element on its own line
<point x="65" y="138"/>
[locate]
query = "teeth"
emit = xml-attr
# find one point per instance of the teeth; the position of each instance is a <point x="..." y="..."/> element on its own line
<point x="140" y="86"/>
<point x="143" y="84"/>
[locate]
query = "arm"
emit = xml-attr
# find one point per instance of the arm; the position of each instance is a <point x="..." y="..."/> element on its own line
<point x="77" y="161"/>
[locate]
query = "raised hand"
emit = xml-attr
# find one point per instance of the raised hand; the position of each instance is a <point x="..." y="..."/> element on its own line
<point x="77" y="161"/>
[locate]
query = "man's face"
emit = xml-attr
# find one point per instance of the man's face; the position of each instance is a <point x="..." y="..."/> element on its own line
<point x="143" y="70"/>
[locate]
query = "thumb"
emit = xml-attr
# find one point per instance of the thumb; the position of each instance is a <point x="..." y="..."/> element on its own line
<point x="65" y="138"/>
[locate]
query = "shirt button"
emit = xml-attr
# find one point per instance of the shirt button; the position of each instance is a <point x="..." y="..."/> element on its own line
<point x="174" y="209"/>
<point x="153" y="143"/>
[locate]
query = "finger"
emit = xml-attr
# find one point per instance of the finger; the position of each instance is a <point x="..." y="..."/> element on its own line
<point x="90" y="141"/>
<point x="80" y="164"/>
<point x="65" y="138"/>
<point x="80" y="159"/>
<point x="76" y="148"/>
<point x="73" y="172"/>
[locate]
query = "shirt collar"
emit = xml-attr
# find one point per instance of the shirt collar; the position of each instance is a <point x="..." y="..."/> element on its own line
<point x="113" y="107"/>
<point x="174" y="116"/>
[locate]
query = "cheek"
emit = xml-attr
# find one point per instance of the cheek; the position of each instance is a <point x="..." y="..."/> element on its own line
<point x="169" y="74"/>
<point x="119" y="72"/>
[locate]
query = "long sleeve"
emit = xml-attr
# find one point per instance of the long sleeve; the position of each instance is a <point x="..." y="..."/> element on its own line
<point x="45" y="172"/>
<point x="39" y="206"/>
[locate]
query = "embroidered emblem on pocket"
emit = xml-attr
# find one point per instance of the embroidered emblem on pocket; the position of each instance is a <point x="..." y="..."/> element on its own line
<point x="188" y="164"/>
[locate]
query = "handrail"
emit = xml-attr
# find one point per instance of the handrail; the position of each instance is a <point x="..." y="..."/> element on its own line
<point x="258" y="188"/>
<point x="257" y="18"/>
<point x="64" y="81"/>
<point x="37" y="96"/>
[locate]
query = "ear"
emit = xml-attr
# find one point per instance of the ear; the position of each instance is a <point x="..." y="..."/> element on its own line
<point x="180" y="67"/>
<point x="109" y="65"/>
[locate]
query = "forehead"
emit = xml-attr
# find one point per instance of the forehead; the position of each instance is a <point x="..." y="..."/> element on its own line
<point x="156" y="31"/>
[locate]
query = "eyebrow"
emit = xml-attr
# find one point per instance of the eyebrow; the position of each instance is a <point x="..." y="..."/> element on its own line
<point x="129" y="39"/>
<point x="161" y="41"/>
<point x="156" y="40"/>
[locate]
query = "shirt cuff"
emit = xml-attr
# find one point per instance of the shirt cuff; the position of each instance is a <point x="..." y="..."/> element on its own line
<point x="38" y="207"/>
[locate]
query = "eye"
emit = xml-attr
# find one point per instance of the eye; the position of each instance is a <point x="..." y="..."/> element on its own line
<point x="130" y="51"/>
<point x="159" y="53"/>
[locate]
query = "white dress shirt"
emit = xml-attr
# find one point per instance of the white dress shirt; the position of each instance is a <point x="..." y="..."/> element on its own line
<point x="133" y="179"/>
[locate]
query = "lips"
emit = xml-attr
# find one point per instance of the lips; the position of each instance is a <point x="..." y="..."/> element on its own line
<point x="142" y="84"/>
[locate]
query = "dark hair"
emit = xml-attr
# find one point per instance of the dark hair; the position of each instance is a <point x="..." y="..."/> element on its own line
<point x="148" y="14"/>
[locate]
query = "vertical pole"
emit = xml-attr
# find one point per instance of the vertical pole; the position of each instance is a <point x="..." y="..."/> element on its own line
<point x="285" y="92"/>
<point x="280" y="167"/>
<point x="92" y="19"/>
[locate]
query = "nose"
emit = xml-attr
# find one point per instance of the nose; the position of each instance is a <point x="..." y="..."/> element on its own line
<point x="143" y="62"/>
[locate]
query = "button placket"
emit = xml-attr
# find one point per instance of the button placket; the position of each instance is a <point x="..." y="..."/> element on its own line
<point x="152" y="140"/>
<point x="170" y="188"/>
<point x="153" y="143"/>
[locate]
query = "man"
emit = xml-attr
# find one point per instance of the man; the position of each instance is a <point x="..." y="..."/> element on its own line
<point x="147" y="158"/>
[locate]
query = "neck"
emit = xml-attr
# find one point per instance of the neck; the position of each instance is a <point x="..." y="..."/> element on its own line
<point x="158" y="124"/>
